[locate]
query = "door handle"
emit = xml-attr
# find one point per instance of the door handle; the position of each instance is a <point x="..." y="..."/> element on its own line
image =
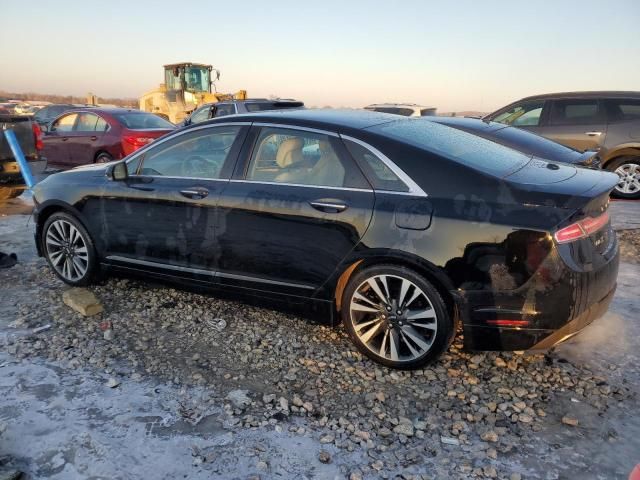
<point x="94" y="138"/>
<point x="64" y="139"/>
<point x="328" y="206"/>
<point x="195" y="193"/>
<point x="593" y="134"/>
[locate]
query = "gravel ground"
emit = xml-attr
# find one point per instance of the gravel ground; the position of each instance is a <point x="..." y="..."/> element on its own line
<point x="630" y="245"/>
<point x="236" y="389"/>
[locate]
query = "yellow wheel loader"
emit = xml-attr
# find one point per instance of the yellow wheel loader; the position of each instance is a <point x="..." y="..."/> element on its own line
<point x="185" y="87"/>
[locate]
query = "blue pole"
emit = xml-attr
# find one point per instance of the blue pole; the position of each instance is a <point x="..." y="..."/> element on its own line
<point x="19" y="156"/>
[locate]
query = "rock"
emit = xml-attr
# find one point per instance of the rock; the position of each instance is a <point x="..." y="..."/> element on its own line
<point x="515" y="476"/>
<point x="284" y="404"/>
<point x="239" y="398"/>
<point x="356" y="475"/>
<point x="490" y="472"/>
<point x="573" y="422"/>
<point x="499" y="362"/>
<point x="112" y="383"/>
<point x="262" y="466"/>
<point x="377" y="465"/>
<point x="404" y="429"/>
<point x="450" y="441"/>
<point x="308" y="406"/>
<point x="477" y="359"/>
<point x="11" y="475"/>
<point x="327" y="438"/>
<point x="108" y="335"/>
<point x="324" y="456"/>
<point x="380" y="396"/>
<point x="82" y="301"/>
<point x="297" y="401"/>
<point x="489" y="436"/>
<point x="269" y="398"/>
<point x="524" y="418"/>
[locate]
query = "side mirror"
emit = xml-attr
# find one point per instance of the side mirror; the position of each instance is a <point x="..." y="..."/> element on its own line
<point x="44" y="127"/>
<point x="119" y="172"/>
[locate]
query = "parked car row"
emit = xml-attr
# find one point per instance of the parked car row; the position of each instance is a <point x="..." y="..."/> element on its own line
<point x="401" y="228"/>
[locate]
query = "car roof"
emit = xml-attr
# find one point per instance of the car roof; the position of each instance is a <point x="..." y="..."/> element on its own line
<point x="406" y="105"/>
<point x="467" y="123"/>
<point x="318" y="118"/>
<point x="591" y="94"/>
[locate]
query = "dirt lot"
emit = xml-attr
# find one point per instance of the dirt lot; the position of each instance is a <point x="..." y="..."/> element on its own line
<point x="186" y="385"/>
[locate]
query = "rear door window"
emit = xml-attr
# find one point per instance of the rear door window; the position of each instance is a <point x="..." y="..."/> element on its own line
<point x="224" y="110"/>
<point x="575" y="112"/>
<point x="620" y="110"/>
<point x="86" y="122"/>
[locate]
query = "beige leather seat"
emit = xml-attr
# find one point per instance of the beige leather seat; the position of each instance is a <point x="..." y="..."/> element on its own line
<point x="290" y="152"/>
<point x="328" y="170"/>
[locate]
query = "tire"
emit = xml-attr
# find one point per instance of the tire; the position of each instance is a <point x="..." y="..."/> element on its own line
<point x="375" y="329"/>
<point x="103" y="158"/>
<point x="74" y="262"/>
<point x="7" y="193"/>
<point x="628" y="169"/>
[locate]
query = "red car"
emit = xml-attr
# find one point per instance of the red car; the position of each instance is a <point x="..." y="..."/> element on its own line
<point x="98" y="135"/>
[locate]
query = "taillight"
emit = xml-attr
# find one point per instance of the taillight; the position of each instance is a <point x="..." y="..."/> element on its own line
<point x="37" y="135"/>
<point x="581" y="229"/>
<point x="137" y="142"/>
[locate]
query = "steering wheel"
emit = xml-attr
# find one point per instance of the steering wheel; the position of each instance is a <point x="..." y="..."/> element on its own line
<point x="198" y="166"/>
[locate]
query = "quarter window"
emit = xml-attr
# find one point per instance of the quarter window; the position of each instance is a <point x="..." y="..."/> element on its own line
<point x="201" y="115"/>
<point x="575" y="112"/>
<point x="522" y="115"/>
<point x="621" y="110"/>
<point x="224" y="110"/>
<point x="198" y="154"/>
<point x="65" y="124"/>
<point x="291" y="156"/>
<point x="379" y="174"/>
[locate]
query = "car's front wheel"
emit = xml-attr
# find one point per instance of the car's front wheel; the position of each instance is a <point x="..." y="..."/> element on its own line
<point x="628" y="169"/>
<point x="104" y="158"/>
<point x="69" y="249"/>
<point x="396" y="317"/>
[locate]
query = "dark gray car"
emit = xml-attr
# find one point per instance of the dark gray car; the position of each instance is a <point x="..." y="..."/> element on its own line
<point x="607" y="122"/>
<point x="233" y="107"/>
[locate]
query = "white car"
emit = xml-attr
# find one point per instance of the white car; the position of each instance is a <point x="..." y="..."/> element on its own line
<point x="404" y="109"/>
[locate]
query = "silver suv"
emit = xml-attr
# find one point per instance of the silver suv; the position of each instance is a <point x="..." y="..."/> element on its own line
<point x="608" y="122"/>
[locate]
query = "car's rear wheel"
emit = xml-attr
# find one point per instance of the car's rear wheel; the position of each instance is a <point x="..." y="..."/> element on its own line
<point x="69" y="249"/>
<point x="628" y="169"/>
<point x="396" y="317"/>
<point x="103" y="158"/>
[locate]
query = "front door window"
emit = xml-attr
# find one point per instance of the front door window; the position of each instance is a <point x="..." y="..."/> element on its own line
<point x="522" y="115"/>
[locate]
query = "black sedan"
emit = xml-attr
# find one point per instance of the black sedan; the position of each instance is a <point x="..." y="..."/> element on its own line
<point x="521" y="140"/>
<point x="399" y="228"/>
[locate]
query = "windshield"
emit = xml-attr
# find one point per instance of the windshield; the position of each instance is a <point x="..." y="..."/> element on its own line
<point x="142" y="121"/>
<point x="462" y="147"/>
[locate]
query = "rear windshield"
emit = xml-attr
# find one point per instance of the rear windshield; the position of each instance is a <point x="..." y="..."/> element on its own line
<point x="462" y="147"/>
<point x="259" y="107"/>
<point x="405" y="112"/>
<point x="142" y="120"/>
<point x="534" y="144"/>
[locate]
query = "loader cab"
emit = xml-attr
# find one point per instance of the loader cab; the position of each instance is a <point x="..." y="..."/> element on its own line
<point x="189" y="77"/>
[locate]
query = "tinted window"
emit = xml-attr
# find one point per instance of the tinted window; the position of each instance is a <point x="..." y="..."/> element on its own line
<point x="65" y="124"/>
<point x="101" y="125"/>
<point x="199" y="154"/>
<point x="142" y="121"/>
<point x="379" y="174"/>
<point x="86" y="122"/>
<point x="462" y="147"/>
<point x="291" y="156"/>
<point x="201" y="114"/>
<point x="574" y="112"/>
<point x="224" y="110"/>
<point x="406" y="112"/>
<point x="522" y="115"/>
<point x="427" y="112"/>
<point x="621" y="110"/>
<point x="259" y="107"/>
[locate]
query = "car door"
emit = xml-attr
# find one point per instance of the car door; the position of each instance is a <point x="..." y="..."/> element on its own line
<point x="295" y="208"/>
<point x="578" y="123"/>
<point x="55" y="147"/>
<point x="85" y="138"/>
<point x="528" y="115"/>
<point x="162" y="217"/>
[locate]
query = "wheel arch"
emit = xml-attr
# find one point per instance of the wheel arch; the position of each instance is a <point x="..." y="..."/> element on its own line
<point x="432" y="273"/>
<point x="49" y="208"/>
<point x="628" y="150"/>
<point x="100" y="152"/>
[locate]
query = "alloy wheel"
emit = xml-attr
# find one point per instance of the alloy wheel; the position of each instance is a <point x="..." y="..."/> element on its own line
<point x="629" y="174"/>
<point x="67" y="250"/>
<point x="393" y="318"/>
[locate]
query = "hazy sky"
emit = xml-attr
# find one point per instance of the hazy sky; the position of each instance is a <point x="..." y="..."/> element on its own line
<point x="452" y="54"/>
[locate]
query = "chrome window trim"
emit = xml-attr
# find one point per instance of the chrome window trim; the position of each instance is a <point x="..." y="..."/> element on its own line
<point x="296" y="127"/>
<point x="200" y="179"/>
<point x="414" y="188"/>
<point x="179" y="133"/>
<point x="235" y="276"/>
<point x="348" y="189"/>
